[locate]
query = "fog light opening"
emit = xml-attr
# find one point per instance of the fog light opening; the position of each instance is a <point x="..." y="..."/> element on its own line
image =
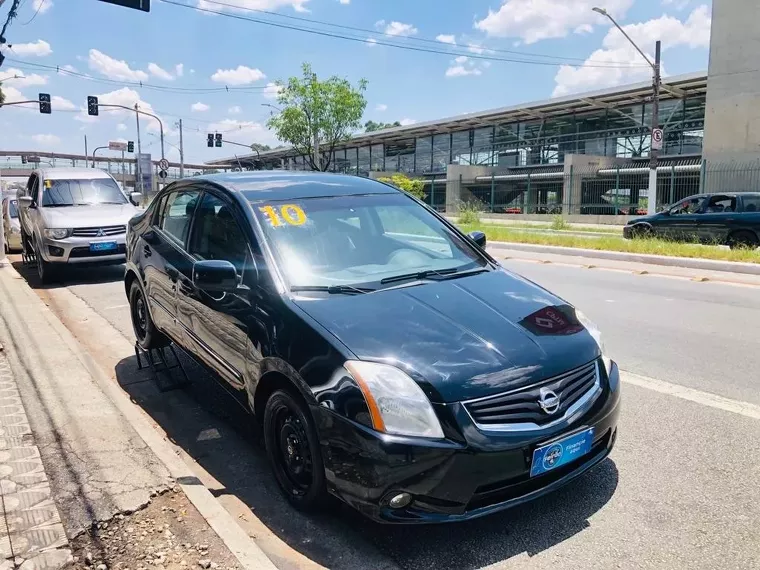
<point x="400" y="500"/>
<point x="55" y="251"/>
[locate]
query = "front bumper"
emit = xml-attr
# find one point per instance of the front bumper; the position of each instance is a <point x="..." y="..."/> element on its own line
<point x="13" y="239"/>
<point x="453" y="480"/>
<point x="628" y="232"/>
<point x="77" y="250"/>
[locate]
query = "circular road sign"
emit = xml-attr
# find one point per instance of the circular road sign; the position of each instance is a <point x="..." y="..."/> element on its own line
<point x="162" y="174"/>
<point x="163" y="164"/>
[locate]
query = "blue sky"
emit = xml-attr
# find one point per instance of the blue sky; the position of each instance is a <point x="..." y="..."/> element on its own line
<point x="178" y="52"/>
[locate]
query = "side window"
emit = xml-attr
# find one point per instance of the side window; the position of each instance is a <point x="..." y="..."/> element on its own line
<point x="687" y="206"/>
<point x="401" y="224"/>
<point x="34" y="188"/>
<point x="719" y="204"/>
<point x="751" y="203"/>
<point x="178" y="213"/>
<point x="158" y="211"/>
<point x="216" y="234"/>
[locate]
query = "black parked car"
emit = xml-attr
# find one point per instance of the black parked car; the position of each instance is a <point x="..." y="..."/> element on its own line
<point x="389" y="360"/>
<point x="726" y="219"/>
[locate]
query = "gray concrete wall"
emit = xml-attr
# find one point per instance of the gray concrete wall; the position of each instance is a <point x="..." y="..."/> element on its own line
<point x="455" y="193"/>
<point x="588" y="219"/>
<point x="577" y="167"/>
<point x="732" y="118"/>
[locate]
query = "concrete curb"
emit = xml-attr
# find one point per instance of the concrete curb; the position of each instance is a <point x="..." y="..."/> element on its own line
<point x="249" y="555"/>
<point x="664" y="260"/>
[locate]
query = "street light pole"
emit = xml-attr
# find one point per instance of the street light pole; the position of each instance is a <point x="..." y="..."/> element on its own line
<point x="96" y="149"/>
<point x="654" y="154"/>
<point x="181" y="152"/>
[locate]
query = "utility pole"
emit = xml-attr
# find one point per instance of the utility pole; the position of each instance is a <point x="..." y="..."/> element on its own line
<point x="85" y="151"/>
<point x="181" y="153"/>
<point x="138" y="174"/>
<point x="123" y="173"/>
<point x="654" y="154"/>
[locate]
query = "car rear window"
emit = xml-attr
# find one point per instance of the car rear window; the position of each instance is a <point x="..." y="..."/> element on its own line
<point x="752" y="203"/>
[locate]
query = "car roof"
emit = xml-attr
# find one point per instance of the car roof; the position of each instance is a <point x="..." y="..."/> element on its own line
<point x="263" y="185"/>
<point x="72" y="173"/>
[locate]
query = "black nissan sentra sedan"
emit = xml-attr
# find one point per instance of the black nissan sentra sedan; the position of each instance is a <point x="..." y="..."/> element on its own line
<point x="389" y="360"/>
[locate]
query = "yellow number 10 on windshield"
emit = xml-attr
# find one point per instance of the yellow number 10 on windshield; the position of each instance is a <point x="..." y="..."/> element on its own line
<point x="292" y="214"/>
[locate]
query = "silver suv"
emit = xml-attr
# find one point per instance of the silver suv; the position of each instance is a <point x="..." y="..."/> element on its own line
<point x="74" y="215"/>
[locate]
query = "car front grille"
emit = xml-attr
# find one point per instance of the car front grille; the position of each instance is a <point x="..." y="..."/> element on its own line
<point x="520" y="408"/>
<point x="99" y="232"/>
<point x="78" y="252"/>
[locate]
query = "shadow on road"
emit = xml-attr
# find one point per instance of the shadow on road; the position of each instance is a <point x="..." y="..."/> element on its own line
<point x="210" y="425"/>
<point x="70" y="275"/>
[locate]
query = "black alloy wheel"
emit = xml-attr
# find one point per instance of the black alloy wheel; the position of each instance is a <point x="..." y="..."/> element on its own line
<point x="293" y="450"/>
<point x="146" y="333"/>
<point x="45" y="270"/>
<point x="642" y="231"/>
<point x="743" y="239"/>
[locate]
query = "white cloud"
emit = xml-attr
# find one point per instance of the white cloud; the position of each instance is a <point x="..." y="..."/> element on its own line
<point x="371" y="42"/>
<point x="158" y="71"/>
<point x="475" y="48"/>
<point x="46" y="139"/>
<point x="271" y="91"/>
<point x="584" y="29"/>
<point x="461" y="59"/>
<point x="121" y="127"/>
<point x="13" y="95"/>
<point x="69" y="68"/>
<point x="40" y="48"/>
<point x="244" y="132"/>
<point x="199" y="107"/>
<point x="462" y="66"/>
<point x="192" y="71"/>
<point x="58" y="103"/>
<point x="344" y="1"/>
<point x="179" y="70"/>
<point x="446" y="38"/>
<point x="535" y="20"/>
<point x="114" y="68"/>
<point x="234" y="110"/>
<point x="18" y="78"/>
<point x="232" y="5"/>
<point x="407" y="122"/>
<point x="677" y="4"/>
<point x="694" y="32"/>
<point x="42" y="6"/>
<point x="396" y="28"/>
<point x="381" y="107"/>
<point x="242" y="75"/>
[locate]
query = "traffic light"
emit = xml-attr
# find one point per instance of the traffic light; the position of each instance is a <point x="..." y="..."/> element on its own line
<point x="218" y="139"/>
<point x="45" y="108"/>
<point x="130" y="146"/>
<point x="92" y="106"/>
<point x="210" y="140"/>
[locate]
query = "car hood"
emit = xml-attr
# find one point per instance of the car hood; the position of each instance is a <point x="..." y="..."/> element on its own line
<point x="461" y="338"/>
<point x="88" y="216"/>
<point x="640" y="219"/>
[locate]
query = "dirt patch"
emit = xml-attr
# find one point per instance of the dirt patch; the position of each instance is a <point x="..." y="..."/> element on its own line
<point x="168" y="534"/>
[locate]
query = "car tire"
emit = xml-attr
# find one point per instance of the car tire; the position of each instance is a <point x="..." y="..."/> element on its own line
<point x="146" y="333"/>
<point x="641" y="231"/>
<point x="742" y="240"/>
<point x="293" y="450"/>
<point x="47" y="272"/>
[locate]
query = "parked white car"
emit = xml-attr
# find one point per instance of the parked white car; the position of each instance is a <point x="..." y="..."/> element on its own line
<point x="74" y="216"/>
<point x="11" y="224"/>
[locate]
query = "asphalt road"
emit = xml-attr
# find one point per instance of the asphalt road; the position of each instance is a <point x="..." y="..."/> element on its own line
<point x="678" y="492"/>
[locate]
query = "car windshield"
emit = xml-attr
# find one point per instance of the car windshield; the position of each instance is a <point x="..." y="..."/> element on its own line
<point x="361" y="240"/>
<point x="12" y="210"/>
<point x="82" y="192"/>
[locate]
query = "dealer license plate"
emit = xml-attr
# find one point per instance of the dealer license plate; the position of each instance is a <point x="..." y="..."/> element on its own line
<point x="103" y="246"/>
<point x="553" y="455"/>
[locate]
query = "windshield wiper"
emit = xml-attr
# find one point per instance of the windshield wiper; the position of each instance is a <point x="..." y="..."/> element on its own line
<point x="333" y="289"/>
<point x="58" y="205"/>
<point x="451" y="273"/>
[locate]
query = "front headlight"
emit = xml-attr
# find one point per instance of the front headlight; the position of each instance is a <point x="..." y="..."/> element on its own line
<point x="57" y="233"/>
<point x="396" y="403"/>
<point x="596" y="334"/>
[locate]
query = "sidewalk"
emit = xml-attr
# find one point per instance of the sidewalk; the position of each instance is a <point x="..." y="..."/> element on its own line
<point x="31" y="532"/>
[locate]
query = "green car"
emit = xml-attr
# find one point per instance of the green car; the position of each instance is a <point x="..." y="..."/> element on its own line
<point x="731" y="219"/>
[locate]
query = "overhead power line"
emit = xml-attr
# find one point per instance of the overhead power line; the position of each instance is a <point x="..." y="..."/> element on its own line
<point x="449" y="52"/>
<point x="411" y="38"/>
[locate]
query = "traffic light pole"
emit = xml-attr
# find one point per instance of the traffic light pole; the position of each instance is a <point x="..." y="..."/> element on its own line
<point x="96" y="149"/>
<point x="137" y="110"/>
<point x="138" y="174"/>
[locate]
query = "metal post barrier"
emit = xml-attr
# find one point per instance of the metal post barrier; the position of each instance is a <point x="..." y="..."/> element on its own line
<point x="529" y="192"/>
<point x="702" y="175"/>
<point x="672" y="183"/>
<point x="432" y="193"/>
<point x="617" y="188"/>
<point x="493" y="186"/>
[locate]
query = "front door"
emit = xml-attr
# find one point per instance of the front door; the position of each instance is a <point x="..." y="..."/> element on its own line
<point x="165" y="258"/>
<point x="215" y="324"/>
<point x="718" y="218"/>
<point x="681" y="223"/>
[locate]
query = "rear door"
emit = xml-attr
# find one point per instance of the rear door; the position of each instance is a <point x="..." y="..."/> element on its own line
<point x="718" y="218"/>
<point x="164" y="253"/>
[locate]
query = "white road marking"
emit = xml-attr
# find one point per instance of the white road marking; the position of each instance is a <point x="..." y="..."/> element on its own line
<point x="697" y="396"/>
<point x="116" y="307"/>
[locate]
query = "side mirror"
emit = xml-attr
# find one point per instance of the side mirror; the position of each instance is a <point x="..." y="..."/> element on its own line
<point x="136" y="198"/>
<point x="478" y="237"/>
<point x="25" y="201"/>
<point x="215" y="276"/>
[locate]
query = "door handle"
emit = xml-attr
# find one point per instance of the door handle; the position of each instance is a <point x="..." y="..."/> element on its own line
<point x="147" y="252"/>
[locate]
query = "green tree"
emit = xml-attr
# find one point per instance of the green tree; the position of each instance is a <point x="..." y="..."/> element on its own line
<point x="317" y="115"/>
<point x="260" y="147"/>
<point x="413" y="186"/>
<point x="2" y="95"/>
<point x="371" y="126"/>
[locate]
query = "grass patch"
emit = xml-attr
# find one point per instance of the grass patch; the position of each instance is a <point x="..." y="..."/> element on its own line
<point x="570" y="227"/>
<point x="652" y="246"/>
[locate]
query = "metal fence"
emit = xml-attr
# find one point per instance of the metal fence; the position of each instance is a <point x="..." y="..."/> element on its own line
<point x="621" y="189"/>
